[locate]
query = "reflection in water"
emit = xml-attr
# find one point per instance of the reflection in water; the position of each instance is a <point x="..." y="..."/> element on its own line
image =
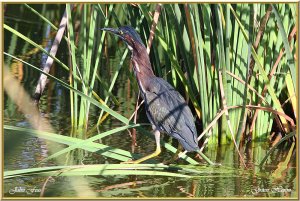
<point x="215" y="182"/>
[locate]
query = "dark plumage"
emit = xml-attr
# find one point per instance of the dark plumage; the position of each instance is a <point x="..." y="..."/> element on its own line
<point x="165" y="107"/>
<point x="168" y="111"/>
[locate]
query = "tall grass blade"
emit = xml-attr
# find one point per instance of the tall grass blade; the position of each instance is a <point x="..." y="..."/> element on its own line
<point x="290" y="58"/>
<point x="271" y="91"/>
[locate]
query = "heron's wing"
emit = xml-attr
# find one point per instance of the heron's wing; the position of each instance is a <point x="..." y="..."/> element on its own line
<point x="167" y="109"/>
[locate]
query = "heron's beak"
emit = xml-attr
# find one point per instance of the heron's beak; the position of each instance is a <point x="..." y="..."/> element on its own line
<point x="112" y="30"/>
<point x="115" y="32"/>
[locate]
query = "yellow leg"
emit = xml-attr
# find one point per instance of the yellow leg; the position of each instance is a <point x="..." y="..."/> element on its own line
<point x="156" y="153"/>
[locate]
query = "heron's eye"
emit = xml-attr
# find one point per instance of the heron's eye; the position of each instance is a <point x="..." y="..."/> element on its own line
<point x="121" y="32"/>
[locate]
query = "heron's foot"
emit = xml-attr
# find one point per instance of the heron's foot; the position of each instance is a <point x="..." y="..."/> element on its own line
<point x="130" y="162"/>
<point x="156" y="153"/>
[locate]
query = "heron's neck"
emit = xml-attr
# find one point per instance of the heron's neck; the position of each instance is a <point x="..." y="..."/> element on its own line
<point x="142" y="66"/>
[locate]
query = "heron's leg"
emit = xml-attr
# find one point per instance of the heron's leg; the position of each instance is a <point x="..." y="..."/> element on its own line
<point x="156" y="153"/>
<point x="175" y="156"/>
<point x="179" y="149"/>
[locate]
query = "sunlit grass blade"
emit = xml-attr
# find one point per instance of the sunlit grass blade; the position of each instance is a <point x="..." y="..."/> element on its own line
<point x="41" y="16"/>
<point x="175" y="64"/>
<point x="100" y="48"/>
<point x="221" y="68"/>
<point x="96" y="103"/>
<point x="73" y="96"/>
<point x="200" y="72"/>
<point x="122" y="169"/>
<point x="106" y="109"/>
<point x="290" y="58"/>
<point x="101" y="169"/>
<point x="102" y="149"/>
<point x="271" y="91"/>
<point x="83" y="143"/>
<point x="82" y="56"/>
<point x="110" y="111"/>
<point x="113" y="81"/>
<point x="41" y="84"/>
<point x="25" y="38"/>
<point x="243" y="116"/>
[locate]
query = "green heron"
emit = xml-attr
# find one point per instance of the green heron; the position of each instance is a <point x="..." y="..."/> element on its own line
<point x="166" y="109"/>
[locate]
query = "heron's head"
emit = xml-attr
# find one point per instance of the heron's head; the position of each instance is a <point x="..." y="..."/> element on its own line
<point x="128" y="35"/>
